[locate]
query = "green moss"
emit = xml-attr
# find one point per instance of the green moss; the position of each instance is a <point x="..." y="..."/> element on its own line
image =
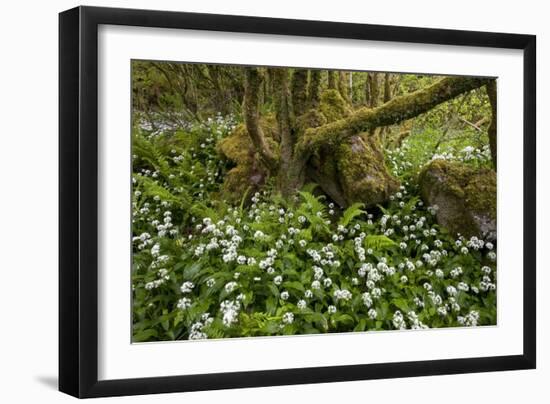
<point x="236" y="183"/>
<point x="249" y="172"/>
<point x="363" y="174"/>
<point x="238" y="148"/>
<point x="299" y="91"/>
<point x="466" y="197"/>
<point x="333" y="106"/>
<point x="311" y="119"/>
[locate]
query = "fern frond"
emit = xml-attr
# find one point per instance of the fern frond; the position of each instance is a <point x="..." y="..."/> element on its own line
<point x="149" y="152"/>
<point x="379" y="242"/>
<point x="351" y="213"/>
<point x="152" y="188"/>
<point x="309" y="187"/>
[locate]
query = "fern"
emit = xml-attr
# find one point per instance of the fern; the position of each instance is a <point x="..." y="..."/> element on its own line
<point x="379" y="242"/>
<point x="309" y="187"/>
<point x="149" y="152"/>
<point x="411" y="203"/>
<point x="351" y="213"/>
<point x="314" y="203"/>
<point x="152" y="188"/>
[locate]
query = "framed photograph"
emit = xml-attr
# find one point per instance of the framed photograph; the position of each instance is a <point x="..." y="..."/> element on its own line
<point x="251" y="201"/>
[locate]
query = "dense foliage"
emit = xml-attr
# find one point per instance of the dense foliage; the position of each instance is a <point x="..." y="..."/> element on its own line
<point x="205" y="268"/>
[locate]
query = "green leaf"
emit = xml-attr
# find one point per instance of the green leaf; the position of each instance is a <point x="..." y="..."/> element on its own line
<point x="294" y="285"/>
<point x="361" y="326"/>
<point x="144" y="335"/>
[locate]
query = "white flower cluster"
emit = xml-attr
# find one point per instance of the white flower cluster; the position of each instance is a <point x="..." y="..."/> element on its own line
<point x="367" y="299"/>
<point x="162" y="278"/>
<point x="196" y="331"/>
<point x="184" y="303"/>
<point x="398" y="320"/>
<point x="415" y="323"/>
<point x="144" y="239"/>
<point x="342" y="294"/>
<point x="187" y="287"/>
<point x="358" y="242"/>
<point x="288" y="318"/>
<point x="230" y="312"/>
<point x="470" y="320"/>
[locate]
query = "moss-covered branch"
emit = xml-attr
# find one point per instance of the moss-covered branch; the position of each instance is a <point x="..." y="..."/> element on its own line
<point x="253" y="81"/>
<point x="390" y="113"/>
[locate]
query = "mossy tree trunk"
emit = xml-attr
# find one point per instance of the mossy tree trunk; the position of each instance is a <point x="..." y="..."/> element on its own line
<point x="299" y="91"/>
<point x="253" y="81"/>
<point x="491" y="88"/>
<point x="343" y="86"/>
<point x="314" y="89"/>
<point x="302" y="128"/>
<point x="332" y="79"/>
<point x="372" y="83"/>
<point x="387" y="87"/>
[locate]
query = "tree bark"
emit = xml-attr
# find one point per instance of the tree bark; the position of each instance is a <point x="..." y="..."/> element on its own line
<point x="387" y="87"/>
<point x="392" y="112"/>
<point x="332" y="80"/>
<point x="343" y="86"/>
<point x="314" y="90"/>
<point x="299" y="91"/>
<point x="372" y="80"/>
<point x="491" y="88"/>
<point x="291" y="172"/>
<point x="253" y="80"/>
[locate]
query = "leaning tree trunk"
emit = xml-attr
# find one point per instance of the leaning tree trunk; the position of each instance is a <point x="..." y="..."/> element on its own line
<point x="390" y="113"/>
<point x="304" y="135"/>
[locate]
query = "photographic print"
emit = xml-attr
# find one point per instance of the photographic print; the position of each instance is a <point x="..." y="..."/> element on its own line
<point x="272" y="201"/>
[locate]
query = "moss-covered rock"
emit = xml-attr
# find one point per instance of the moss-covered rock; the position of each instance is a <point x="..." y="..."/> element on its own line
<point x="249" y="174"/>
<point x="363" y="174"/>
<point x="241" y="181"/>
<point x="465" y="197"/>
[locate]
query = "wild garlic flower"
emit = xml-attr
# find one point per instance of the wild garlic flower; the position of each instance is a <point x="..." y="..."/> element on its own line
<point x="398" y="320"/>
<point x="230" y="312"/>
<point x="288" y="318"/>
<point x="367" y="299"/>
<point x="342" y="294"/>
<point x="230" y="286"/>
<point x="187" y="287"/>
<point x="184" y="303"/>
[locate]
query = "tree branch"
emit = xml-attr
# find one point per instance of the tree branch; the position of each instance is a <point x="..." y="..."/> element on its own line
<point x="390" y="113"/>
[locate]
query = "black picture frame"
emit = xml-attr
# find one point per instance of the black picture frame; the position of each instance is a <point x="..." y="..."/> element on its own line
<point x="78" y="201"/>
